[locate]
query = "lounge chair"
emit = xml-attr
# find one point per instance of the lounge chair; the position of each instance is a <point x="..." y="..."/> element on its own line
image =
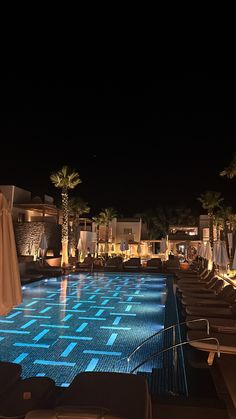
<point x="153" y="265"/>
<point x="227" y="341"/>
<point x="228" y="293"/>
<point x="43" y="269"/>
<point x="115" y="263"/>
<point x="28" y="394"/>
<point x="87" y="263"/>
<point x="123" y="395"/>
<point x="10" y="374"/>
<point x="213" y="284"/>
<point x="222" y="297"/>
<point x="217" y="324"/>
<point x="197" y="279"/>
<point x="171" y="265"/>
<point x="132" y="264"/>
<point x="226" y="313"/>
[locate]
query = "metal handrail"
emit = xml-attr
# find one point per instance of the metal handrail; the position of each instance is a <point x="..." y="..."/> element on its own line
<point x="158" y="333"/>
<point x="175" y="346"/>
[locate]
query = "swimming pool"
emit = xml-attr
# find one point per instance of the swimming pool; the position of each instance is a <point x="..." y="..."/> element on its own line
<point x="83" y="322"/>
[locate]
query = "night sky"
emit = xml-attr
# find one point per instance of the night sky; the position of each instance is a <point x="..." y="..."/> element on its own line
<point x="136" y="143"/>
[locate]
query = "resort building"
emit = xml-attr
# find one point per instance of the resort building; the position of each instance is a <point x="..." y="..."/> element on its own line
<point x="33" y="217"/>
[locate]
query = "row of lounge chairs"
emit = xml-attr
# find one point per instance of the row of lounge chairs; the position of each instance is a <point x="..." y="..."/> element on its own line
<point x="116" y="263"/>
<point x="205" y="295"/>
<point x="38" y="270"/>
<point x="91" y="395"/>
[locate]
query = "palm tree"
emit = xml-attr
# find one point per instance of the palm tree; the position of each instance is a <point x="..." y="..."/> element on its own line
<point x="230" y="171"/>
<point x="106" y="216"/>
<point x="210" y="200"/>
<point x="156" y="222"/>
<point x="77" y="206"/>
<point x="224" y="214"/>
<point x="184" y="217"/>
<point x="98" y="221"/>
<point x="65" y="179"/>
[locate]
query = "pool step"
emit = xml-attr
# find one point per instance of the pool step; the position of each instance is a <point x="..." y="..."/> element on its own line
<point x="161" y="381"/>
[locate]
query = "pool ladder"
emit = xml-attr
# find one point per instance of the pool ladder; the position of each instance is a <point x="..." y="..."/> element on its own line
<point x="172" y="347"/>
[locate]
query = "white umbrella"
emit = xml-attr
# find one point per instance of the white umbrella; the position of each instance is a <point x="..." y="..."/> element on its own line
<point x="234" y="261"/>
<point x="222" y="257"/>
<point x="10" y="286"/>
<point x="126" y="245"/>
<point x="43" y="245"/>
<point x="139" y="250"/>
<point x="80" y="245"/>
<point x="208" y="251"/>
<point x="81" y="248"/>
<point x="230" y="241"/>
<point x="208" y="255"/>
<point x="198" y="249"/>
<point x="163" y="246"/>
<point x="122" y="246"/>
<point x="201" y="251"/>
<point x="215" y="251"/>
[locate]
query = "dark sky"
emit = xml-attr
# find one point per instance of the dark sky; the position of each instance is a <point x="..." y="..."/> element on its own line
<point x="136" y="143"/>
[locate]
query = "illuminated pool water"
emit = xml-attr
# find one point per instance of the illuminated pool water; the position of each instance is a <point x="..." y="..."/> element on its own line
<point x="82" y="322"/>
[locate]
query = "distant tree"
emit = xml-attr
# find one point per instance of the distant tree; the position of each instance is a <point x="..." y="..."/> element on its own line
<point x="230" y="171"/>
<point x="77" y="206"/>
<point x="183" y="217"/>
<point x="98" y="221"/>
<point x="65" y="179"/>
<point x="210" y="200"/>
<point x="224" y="216"/>
<point x="158" y="220"/>
<point x="106" y="216"/>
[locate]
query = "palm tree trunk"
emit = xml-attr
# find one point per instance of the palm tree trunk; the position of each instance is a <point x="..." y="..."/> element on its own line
<point x="74" y="236"/>
<point x="106" y="241"/>
<point x="211" y="234"/>
<point x="64" y="235"/>
<point x="226" y="237"/>
<point x="97" y="239"/>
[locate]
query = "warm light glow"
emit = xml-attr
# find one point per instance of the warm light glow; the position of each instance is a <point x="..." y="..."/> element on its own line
<point x="64" y="258"/>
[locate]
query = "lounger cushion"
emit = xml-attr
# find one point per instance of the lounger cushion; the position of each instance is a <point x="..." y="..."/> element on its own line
<point x="227" y="341"/>
<point x="122" y="394"/>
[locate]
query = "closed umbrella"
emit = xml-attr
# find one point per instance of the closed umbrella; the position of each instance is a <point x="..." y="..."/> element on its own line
<point x="81" y="248"/>
<point x="234" y="261"/>
<point x="163" y="246"/>
<point x="122" y="246"/>
<point x="208" y="255"/>
<point x="208" y="251"/>
<point x="198" y="249"/>
<point x="201" y="251"/>
<point x="43" y="245"/>
<point x="139" y="250"/>
<point x="222" y="257"/>
<point x="10" y="286"/>
<point x="215" y="251"/>
<point x="126" y="245"/>
<point x="230" y="241"/>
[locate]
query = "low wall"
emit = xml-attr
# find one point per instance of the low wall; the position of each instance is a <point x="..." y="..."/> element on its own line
<point x="28" y="235"/>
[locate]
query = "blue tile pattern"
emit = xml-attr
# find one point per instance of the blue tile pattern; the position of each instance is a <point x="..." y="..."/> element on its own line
<point x="83" y="322"/>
